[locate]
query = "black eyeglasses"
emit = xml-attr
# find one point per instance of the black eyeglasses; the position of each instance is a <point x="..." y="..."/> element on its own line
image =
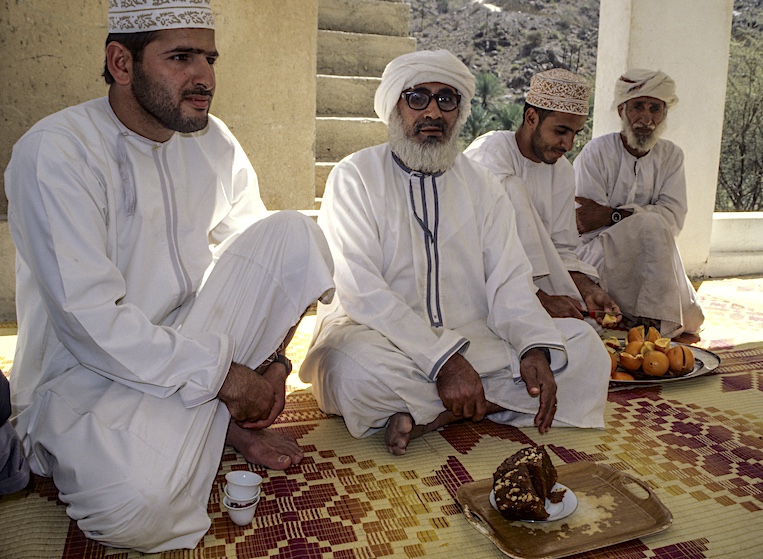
<point x="419" y="100"/>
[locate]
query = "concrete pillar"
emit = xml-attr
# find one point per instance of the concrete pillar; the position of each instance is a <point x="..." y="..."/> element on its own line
<point x="688" y="40"/>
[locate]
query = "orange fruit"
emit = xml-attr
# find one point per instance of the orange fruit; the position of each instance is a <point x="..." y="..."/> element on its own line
<point x="620" y="375"/>
<point x="609" y="320"/>
<point x="631" y="362"/>
<point x="636" y="333"/>
<point x="634" y="347"/>
<point x="652" y="335"/>
<point x="613" y="356"/>
<point x="647" y="347"/>
<point x="655" y="364"/>
<point x="680" y="359"/>
<point x="662" y="344"/>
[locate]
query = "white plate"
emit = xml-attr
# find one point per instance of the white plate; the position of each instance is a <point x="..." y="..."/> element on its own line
<point x="556" y="511"/>
<point x="704" y="362"/>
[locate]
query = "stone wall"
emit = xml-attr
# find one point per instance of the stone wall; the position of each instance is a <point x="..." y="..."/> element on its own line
<point x="53" y="56"/>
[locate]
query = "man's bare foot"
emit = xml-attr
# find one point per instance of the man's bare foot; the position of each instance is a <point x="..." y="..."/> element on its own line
<point x="399" y="433"/>
<point x="264" y="447"/>
<point x="401" y="430"/>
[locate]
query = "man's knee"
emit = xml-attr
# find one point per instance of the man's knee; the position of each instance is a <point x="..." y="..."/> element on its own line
<point x="292" y="223"/>
<point x="651" y="225"/>
<point x="586" y="351"/>
<point x="143" y="516"/>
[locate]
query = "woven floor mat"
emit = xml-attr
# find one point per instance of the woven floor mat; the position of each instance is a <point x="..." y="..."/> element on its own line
<point x="698" y="444"/>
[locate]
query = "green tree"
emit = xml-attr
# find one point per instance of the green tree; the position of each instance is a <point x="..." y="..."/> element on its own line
<point x="507" y="116"/>
<point x="478" y="123"/>
<point x="740" y="174"/>
<point x="487" y="89"/>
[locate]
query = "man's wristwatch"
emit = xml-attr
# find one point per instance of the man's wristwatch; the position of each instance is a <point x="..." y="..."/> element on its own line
<point x="616" y="216"/>
<point x="281" y="358"/>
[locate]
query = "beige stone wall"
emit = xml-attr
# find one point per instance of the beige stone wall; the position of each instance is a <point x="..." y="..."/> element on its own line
<point x="266" y="92"/>
<point x="52" y="56"/>
<point x="52" y="53"/>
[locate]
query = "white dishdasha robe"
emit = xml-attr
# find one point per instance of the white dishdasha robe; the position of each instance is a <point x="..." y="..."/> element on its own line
<point x="121" y="351"/>
<point x="427" y="266"/>
<point x="638" y="260"/>
<point x="543" y="197"/>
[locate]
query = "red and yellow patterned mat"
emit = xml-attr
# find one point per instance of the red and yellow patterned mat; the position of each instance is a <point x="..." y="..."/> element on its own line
<point x="698" y="444"/>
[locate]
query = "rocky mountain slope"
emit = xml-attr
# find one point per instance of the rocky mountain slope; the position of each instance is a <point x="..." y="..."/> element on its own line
<point x="514" y="39"/>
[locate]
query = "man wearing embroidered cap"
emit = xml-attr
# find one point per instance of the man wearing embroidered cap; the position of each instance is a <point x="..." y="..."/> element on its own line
<point x="540" y="183"/>
<point x="435" y="318"/>
<point x="153" y="306"/>
<point x="631" y="192"/>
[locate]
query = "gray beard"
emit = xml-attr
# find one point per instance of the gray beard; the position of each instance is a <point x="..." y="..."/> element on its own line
<point x="428" y="158"/>
<point x="637" y="143"/>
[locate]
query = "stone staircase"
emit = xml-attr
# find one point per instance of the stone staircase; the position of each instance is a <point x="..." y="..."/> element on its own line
<point x="356" y="40"/>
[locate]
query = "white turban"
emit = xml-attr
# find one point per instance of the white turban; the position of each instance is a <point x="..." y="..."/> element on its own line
<point x="420" y="67"/>
<point x="645" y="83"/>
<point x="137" y="16"/>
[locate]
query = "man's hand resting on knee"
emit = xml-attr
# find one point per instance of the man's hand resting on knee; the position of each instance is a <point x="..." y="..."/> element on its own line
<point x="460" y="389"/>
<point x="254" y="398"/>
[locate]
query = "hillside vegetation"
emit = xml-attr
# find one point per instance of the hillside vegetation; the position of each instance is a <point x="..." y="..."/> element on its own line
<point x="505" y="42"/>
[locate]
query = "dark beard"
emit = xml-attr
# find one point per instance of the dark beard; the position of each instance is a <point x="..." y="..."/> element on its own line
<point x="155" y="100"/>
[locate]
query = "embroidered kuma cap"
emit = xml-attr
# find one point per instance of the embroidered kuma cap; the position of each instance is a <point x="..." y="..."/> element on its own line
<point x="138" y="16"/>
<point x="559" y="90"/>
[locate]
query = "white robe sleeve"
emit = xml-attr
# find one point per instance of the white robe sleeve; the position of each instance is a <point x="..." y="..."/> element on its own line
<point x="515" y="313"/>
<point x="60" y="228"/>
<point x="563" y="227"/>
<point x="668" y="188"/>
<point x="605" y="173"/>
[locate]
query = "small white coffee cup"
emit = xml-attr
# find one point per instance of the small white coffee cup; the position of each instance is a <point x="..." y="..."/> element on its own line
<point x="239" y="501"/>
<point x="238" y="514"/>
<point x="242" y="484"/>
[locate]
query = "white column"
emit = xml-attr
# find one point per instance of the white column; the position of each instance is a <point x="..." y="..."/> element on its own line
<point x="689" y="41"/>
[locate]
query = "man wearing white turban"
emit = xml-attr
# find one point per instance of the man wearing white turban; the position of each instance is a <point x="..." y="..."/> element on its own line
<point x="631" y="191"/>
<point x="540" y="183"/>
<point x="435" y="318"/>
<point x="153" y="292"/>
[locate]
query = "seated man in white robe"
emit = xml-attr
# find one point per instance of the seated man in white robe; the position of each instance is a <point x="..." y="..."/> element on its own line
<point x="435" y="318"/>
<point x="631" y="192"/>
<point x="154" y="296"/>
<point x="540" y="183"/>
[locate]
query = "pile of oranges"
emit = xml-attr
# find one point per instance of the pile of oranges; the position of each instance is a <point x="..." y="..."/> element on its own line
<point x="648" y="353"/>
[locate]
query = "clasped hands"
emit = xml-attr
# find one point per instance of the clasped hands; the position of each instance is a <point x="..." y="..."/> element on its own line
<point x="254" y="397"/>
<point x="460" y="388"/>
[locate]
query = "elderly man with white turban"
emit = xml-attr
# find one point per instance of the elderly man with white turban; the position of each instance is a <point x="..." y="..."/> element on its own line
<point x="435" y="317"/>
<point x="631" y="192"/>
<point x="540" y="183"/>
<point x="154" y="294"/>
